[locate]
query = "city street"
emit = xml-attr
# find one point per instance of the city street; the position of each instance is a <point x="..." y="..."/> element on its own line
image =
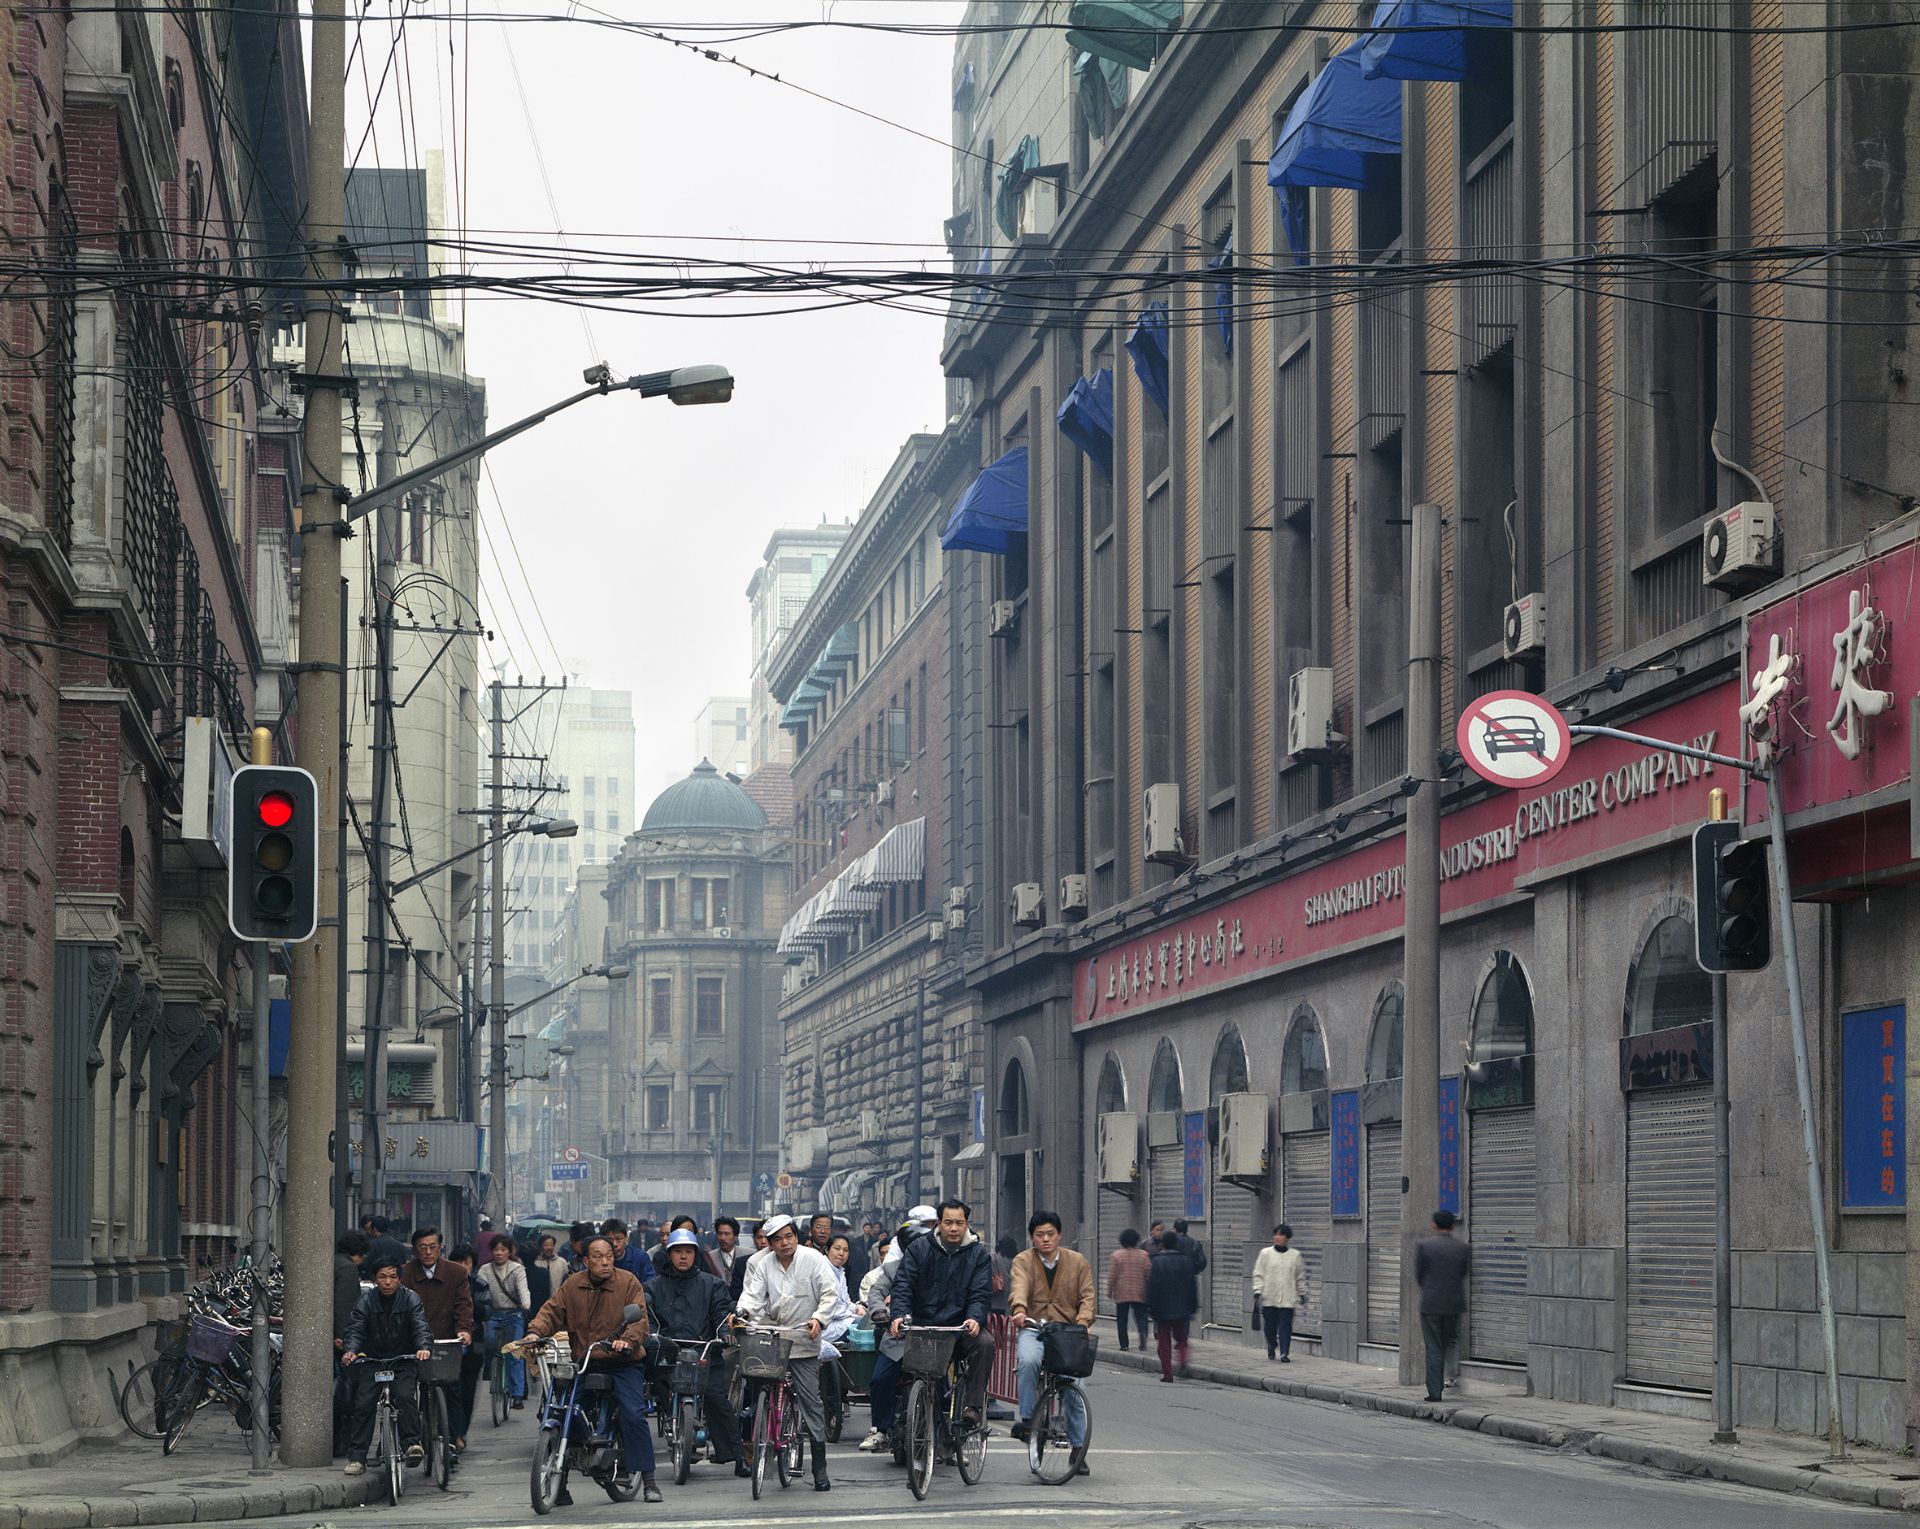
<point x="1190" y="1454"/>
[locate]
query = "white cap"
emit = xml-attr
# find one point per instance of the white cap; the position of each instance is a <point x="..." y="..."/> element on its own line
<point x="923" y="1215"/>
<point x="775" y="1224"/>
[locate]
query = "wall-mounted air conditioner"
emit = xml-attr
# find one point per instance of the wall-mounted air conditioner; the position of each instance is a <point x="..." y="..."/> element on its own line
<point x="1310" y="731"/>
<point x="1738" y="549"/>
<point x="1160" y="831"/>
<point x="1029" y="908"/>
<point x="1004" y="616"/>
<point x="1073" y="895"/>
<point x="1524" y="632"/>
<point x="1245" y="1138"/>
<point x="1117" y="1145"/>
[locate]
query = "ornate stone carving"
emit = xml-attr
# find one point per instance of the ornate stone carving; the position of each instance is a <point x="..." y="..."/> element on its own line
<point x="126" y="996"/>
<point x="146" y="1020"/>
<point x="179" y="1031"/>
<point x="103" y="972"/>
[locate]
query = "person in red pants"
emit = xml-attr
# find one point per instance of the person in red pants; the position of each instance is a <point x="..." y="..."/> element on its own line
<point x="1173" y="1296"/>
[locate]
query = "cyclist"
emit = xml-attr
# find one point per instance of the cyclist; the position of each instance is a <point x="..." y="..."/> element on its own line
<point x="1049" y="1283"/>
<point x="688" y="1302"/>
<point x="884" y="1388"/>
<point x="387" y="1320"/>
<point x="946" y="1280"/>
<point x="442" y="1287"/>
<point x="506" y="1284"/>
<point x="590" y="1308"/>
<point x="792" y="1286"/>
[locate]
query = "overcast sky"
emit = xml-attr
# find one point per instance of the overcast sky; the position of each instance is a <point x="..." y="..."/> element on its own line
<point x="639" y="523"/>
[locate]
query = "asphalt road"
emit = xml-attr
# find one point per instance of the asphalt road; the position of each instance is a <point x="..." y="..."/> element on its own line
<point x="1189" y="1455"/>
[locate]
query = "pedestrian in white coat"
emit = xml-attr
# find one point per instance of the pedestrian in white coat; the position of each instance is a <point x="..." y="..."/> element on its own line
<point x="1279" y="1287"/>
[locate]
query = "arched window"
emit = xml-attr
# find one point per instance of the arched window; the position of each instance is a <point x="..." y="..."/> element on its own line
<point x="1014" y="1117"/>
<point x="1111" y="1096"/>
<point x="1229" y="1072"/>
<point x="1503" y="1012"/>
<point x="1163" y="1087"/>
<point x="1303" y="1060"/>
<point x="175" y="89"/>
<point x="1384" y="1045"/>
<point x="1666" y="987"/>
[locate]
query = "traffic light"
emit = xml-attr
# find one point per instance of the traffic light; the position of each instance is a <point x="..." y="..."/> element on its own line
<point x="273" y="865"/>
<point x="1733" y="931"/>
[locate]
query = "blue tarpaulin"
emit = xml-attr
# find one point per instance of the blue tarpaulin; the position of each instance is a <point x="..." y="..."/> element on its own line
<point x="1148" y="347"/>
<point x="1086" y="418"/>
<point x="993" y="510"/>
<point x="1013" y="181"/>
<point x="1341" y="121"/>
<point x="1426" y="39"/>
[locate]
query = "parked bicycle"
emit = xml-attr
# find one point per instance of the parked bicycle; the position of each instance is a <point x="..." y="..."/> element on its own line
<point x="1067" y="1354"/>
<point x="766" y="1358"/>
<point x="579" y="1426"/>
<point x="217" y="1368"/>
<point x="386" y="1455"/>
<point x="683" y="1419"/>
<point x="936" y="1424"/>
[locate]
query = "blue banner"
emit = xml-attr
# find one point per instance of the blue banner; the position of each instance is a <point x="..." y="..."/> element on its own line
<point x="279" y="1035"/>
<point x="1873" y="1109"/>
<point x="1450" y="1145"/>
<point x="1346" y="1153"/>
<point x="1196" y="1144"/>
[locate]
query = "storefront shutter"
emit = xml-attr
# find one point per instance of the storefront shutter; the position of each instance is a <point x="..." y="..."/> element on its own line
<point x="1500" y="1223"/>
<point x="1670" y="1238"/>
<point x="1229" y="1294"/>
<point x="1166" y="1185"/>
<point x="1383" y="1234"/>
<point x="1112" y="1214"/>
<point x="1307" y="1166"/>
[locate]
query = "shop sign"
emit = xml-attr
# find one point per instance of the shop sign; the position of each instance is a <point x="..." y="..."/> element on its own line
<point x="1450" y="1145"/>
<point x="1873" y="1108"/>
<point x="1194" y="1136"/>
<point x="1612" y="794"/>
<point x="1346" y="1153"/>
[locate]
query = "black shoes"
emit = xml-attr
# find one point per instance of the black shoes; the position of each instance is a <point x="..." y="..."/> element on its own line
<point x="820" y="1482"/>
<point x="650" y="1490"/>
<point x="741" y="1468"/>
<point x="1020" y="1431"/>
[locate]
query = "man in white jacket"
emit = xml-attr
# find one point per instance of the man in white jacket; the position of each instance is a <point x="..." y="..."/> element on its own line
<point x="791" y="1286"/>
<point x="1279" y="1286"/>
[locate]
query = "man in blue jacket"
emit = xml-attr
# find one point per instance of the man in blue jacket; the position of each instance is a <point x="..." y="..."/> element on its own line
<point x="946" y="1280"/>
<point x="627" y="1254"/>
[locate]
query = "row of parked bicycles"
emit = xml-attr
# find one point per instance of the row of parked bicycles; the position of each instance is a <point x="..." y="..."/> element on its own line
<point x="205" y="1361"/>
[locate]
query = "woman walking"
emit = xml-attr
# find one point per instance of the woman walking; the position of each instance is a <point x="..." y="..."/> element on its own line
<point x="1127" y="1285"/>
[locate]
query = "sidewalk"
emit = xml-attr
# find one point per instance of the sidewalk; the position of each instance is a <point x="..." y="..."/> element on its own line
<point x="1774" y="1461"/>
<point x="133" y="1483"/>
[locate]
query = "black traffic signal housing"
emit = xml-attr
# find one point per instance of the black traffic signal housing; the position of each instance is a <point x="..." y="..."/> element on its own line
<point x="1733" y="928"/>
<point x="273" y="865"/>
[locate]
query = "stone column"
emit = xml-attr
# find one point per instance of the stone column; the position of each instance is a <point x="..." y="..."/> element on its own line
<point x="83" y="985"/>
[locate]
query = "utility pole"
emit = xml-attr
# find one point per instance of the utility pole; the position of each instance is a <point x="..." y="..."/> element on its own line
<point x="260" y="1358"/>
<point x="306" y="1437"/>
<point x="497" y="962"/>
<point x="919" y="1089"/>
<point x="1722" y="1197"/>
<point x="1420" y="1059"/>
<point x="379" y="978"/>
<point x="343" y="1216"/>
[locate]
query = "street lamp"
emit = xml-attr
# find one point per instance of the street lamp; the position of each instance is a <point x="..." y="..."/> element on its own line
<point x="611" y="973"/>
<point x="552" y="828"/>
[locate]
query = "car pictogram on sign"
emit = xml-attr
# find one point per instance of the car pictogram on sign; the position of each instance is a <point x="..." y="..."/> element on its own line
<point x="1515" y="735"/>
<point x="1513" y="738"/>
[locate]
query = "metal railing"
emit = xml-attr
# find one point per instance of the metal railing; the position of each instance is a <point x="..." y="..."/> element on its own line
<point x="1383" y="351"/>
<point x="1489" y="218"/>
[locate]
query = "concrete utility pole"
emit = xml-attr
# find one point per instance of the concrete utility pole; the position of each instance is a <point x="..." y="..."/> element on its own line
<point x="919" y="1089"/>
<point x="343" y="1215"/>
<point x="1420" y="1032"/>
<point x="260" y="1359"/>
<point x="379" y="980"/>
<point x="1722" y="1198"/>
<point x="497" y="963"/>
<point x="306" y="1437"/>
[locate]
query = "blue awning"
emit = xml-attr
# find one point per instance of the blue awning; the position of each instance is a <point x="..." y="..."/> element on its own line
<point x="804" y="702"/>
<point x="1223" y="292"/>
<point x="993" y="510"/>
<point x="1339" y="123"/>
<point x="1426" y="39"/>
<point x="1086" y="418"/>
<point x="1130" y="32"/>
<point x="1014" y="176"/>
<point x="837" y="654"/>
<point x="1148" y="347"/>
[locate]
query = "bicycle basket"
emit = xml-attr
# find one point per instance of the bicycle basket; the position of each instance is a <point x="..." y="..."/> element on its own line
<point x="210" y="1340"/>
<point x="764" y="1356"/>
<point x="444" y="1368"/>
<point x="1068" y="1350"/>
<point x="172" y="1338"/>
<point x="689" y="1374"/>
<point x="556" y="1365"/>
<point x="927" y="1353"/>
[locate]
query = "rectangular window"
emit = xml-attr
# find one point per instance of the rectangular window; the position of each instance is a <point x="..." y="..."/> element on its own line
<point x="659" y="1106"/>
<point x="660" y="1008"/>
<point x="587" y="786"/>
<point x="587" y="820"/>
<point x="613" y="822"/>
<point x="709" y="902"/>
<point x="660" y="902"/>
<point x="708" y="1114"/>
<point x="709" y="1005"/>
<point x="613" y="785"/>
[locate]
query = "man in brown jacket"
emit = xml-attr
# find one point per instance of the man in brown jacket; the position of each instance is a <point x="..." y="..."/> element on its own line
<point x="441" y="1285"/>
<point x="1049" y="1283"/>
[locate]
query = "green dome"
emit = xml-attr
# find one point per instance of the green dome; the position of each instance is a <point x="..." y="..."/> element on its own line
<point x="705" y="799"/>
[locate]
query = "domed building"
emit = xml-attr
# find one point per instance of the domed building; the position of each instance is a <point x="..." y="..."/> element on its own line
<point x="695" y="901"/>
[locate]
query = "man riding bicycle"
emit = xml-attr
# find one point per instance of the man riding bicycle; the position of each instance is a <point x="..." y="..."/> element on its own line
<point x="793" y="1287"/>
<point x="387" y="1321"/>
<point x="689" y="1304"/>
<point x="946" y="1280"/>
<point x="590" y="1308"/>
<point x="1049" y="1283"/>
<point x="442" y="1287"/>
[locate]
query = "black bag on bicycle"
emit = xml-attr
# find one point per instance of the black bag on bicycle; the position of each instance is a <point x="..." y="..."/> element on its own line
<point x="1068" y="1349"/>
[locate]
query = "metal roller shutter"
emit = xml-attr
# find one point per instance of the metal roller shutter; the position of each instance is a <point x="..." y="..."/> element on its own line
<point x="1228" y="1293"/>
<point x="1112" y="1214"/>
<point x="1500" y="1223"/>
<point x="1166" y="1185"/>
<point x="1670" y="1238"/>
<point x="1307" y="1169"/>
<point x="1383" y="1234"/>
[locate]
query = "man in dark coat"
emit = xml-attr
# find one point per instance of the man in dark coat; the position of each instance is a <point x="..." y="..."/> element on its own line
<point x="1173" y="1296"/>
<point x="690" y="1304"/>
<point x="1440" y="1266"/>
<point x="387" y="1321"/>
<point x="381" y="1243"/>
<point x="946" y="1280"/>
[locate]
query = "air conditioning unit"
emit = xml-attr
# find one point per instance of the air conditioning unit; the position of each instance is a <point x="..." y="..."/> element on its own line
<point x="1039" y="207"/>
<point x="1117" y="1145"/>
<point x="1310" y="732"/>
<point x="1004" y="617"/>
<point x="1739" y="549"/>
<point x="956" y="907"/>
<point x="1245" y="1141"/>
<point x="882" y="792"/>
<point x="872" y="1134"/>
<point x="722" y="932"/>
<point x="955" y="1074"/>
<point x="1029" y="909"/>
<point x="1524" y="633"/>
<point x="1073" y="895"/>
<point x="1163" y="1129"/>
<point x="937" y="932"/>
<point x="1161" y="830"/>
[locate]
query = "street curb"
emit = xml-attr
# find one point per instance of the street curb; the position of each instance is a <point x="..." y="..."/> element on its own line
<point x="268" y="1500"/>
<point x="1626" y="1449"/>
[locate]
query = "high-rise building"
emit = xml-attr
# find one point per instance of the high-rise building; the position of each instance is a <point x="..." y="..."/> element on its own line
<point x="720" y="735"/>
<point x="790" y="570"/>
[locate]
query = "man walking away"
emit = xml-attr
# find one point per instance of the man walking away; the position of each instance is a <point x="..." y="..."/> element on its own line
<point x="1191" y="1247"/>
<point x="1440" y="1268"/>
<point x="1127" y="1268"/>
<point x="1173" y="1296"/>
<point x="1279" y="1286"/>
<point x="1049" y="1284"/>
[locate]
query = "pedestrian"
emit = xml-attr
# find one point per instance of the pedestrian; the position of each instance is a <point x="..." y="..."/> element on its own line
<point x="1004" y="1252"/>
<point x="1279" y="1287"/>
<point x="1173" y="1296"/>
<point x="880" y="1251"/>
<point x="1127" y="1268"/>
<point x="1155" y="1232"/>
<point x="1440" y="1266"/>
<point x="510" y="1293"/>
<point x="729" y="1259"/>
<point x="473" y="1359"/>
<point x="1191" y="1247"/>
<point x="547" y="1272"/>
<point x="793" y="1287"/>
<point x="349" y="1254"/>
<point x="381" y="1243"/>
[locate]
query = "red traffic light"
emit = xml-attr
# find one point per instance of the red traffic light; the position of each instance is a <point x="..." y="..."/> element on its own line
<point x="275" y="809"/>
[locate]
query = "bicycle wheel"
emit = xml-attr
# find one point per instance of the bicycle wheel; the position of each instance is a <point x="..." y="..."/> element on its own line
<point x="394" y="1454"/>
<point x="920" y="1443"/>
<point x="146" y="1399"/>
<point x="763" y="1444"/>
<point x="786" y="1458"/>
<point x="192" y="1392"/>
<point x="440" y="1450"/>
<point x="683" y="1426"/>
<point x="549" y="1469"/>
<point x="1049" y="1455"/>
<point x="498" y="1385"/>
<point x="969" y="1444"/>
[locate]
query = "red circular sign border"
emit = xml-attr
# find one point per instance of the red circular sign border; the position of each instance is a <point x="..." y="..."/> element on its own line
<point x="1478" y="705"/>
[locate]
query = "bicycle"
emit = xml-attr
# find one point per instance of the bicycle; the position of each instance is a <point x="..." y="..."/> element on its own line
<point x="1051" y="1453"/>
<point x="499" y="1380"/>
<point x="579" y="1427"/>
<point x="936" y="1418"/>
<point x="216" y="1368"/>
<point x="436" y="1427"/>
<point x="145" y="1401"/>
<point x="386" y="1453"/>
<point x="684" y="1417"/>
<point x="766" y="1355"/>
